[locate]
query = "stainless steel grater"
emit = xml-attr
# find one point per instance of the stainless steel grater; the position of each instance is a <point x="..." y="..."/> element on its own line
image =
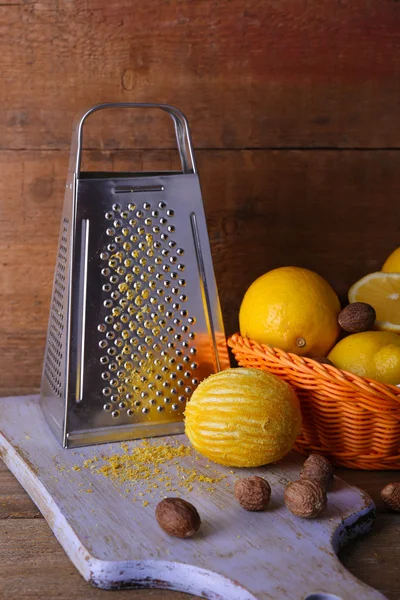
<point x="135" y="321"/>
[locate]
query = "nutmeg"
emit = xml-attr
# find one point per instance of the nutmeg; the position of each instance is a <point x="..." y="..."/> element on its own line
<point x="357" y="317"/>
<point x="305" y="498"/>
<point x="252" y="493"/>
<point x="177" y="517"/>
<point x="323" y="360"/>
<point x="391" y="495"/>
<point x="318" y="468"/>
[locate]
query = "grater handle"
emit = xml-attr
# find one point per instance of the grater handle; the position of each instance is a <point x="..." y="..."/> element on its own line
<point x="182" y="133"/>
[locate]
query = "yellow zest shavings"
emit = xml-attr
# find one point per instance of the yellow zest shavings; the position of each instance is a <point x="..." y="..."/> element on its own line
<point x="142" y="463"/>
<point x="154" y="470"/>
<point x="89" y="462"/>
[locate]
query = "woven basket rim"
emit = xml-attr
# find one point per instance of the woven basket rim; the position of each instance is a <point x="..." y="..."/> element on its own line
<point x="352" y="420"/>
<point x="312" y="367"/>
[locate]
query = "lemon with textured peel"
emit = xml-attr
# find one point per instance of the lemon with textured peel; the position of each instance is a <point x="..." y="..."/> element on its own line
<point x="382" y="291"/>
<point x="293" y="309"/>
<point x="243" y="418"/>
<point x="392" y="263"/>
<point x="372" y="354"/>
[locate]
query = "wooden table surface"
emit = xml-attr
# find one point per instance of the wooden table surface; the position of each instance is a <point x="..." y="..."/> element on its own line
<point x="33" y="565"/>
<point x="293" y="107"/>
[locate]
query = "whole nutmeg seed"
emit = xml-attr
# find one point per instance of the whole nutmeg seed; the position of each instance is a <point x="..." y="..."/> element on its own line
<point x="391" y="495"/>
<point x="252" y="493"/>
<point x="318" y="468"/>
<point x="357" y="317"/>
<point x="323" y="360"/>
<point x="177" y="517"/>
<point x="305" y="498"/>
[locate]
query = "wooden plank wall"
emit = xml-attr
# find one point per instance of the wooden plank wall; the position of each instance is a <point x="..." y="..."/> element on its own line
<point x="294" y="109"/>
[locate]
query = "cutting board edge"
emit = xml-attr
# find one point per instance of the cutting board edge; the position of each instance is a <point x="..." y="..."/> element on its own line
<point x="116" y="575"/>
<point x="146" y="573"/>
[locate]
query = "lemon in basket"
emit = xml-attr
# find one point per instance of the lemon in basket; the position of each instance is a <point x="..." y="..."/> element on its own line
<point x="243" y="418"/>
<point x="372" y="354"/>
<point x="293" y="309"/>
<point x="382" y="291"/>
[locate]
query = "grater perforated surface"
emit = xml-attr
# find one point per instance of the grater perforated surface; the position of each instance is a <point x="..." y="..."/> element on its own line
<point x="147" y="345"/>
<point x="135" y="321"/>
<point x="54" y="356"/>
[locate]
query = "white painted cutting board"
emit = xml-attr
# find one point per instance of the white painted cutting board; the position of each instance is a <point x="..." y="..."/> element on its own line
<point x="116" y="543"/>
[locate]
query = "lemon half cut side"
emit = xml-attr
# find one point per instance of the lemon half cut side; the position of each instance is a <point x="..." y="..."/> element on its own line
<point x="382" y="291"/>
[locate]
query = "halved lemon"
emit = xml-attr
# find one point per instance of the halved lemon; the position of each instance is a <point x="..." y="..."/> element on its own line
<point x="392" y="263"/>
<point x="382" y="291"/>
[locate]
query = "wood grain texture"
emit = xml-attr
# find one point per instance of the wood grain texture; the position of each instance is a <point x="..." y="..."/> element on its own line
<point x="376" y="560"/>
<point x="324" y="210"/>
<point x="33" y="565"/>
<point x="230" y="558"/>
<point x="33" y="562"/>
<point x="248" y="73"/>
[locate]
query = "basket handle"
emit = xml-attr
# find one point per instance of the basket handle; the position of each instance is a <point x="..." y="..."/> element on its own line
<point x="182" y="133"/>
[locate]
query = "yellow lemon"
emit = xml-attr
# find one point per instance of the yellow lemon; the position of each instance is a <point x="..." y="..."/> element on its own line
<point x="293" y="309"/>
<point x="392" y="263"/>
<point x="372" y="354"/>
<point x="243" y="418"/>
<point x="382" y="291"/>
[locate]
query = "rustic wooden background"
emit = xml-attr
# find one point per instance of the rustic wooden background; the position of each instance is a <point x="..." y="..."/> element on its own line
<point x="294" y="110"/>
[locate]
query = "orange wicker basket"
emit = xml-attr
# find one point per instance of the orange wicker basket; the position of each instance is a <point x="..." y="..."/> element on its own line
<point x="352" y="420"/>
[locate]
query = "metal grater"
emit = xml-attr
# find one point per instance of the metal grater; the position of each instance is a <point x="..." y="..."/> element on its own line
<point x="135" y="321"/>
